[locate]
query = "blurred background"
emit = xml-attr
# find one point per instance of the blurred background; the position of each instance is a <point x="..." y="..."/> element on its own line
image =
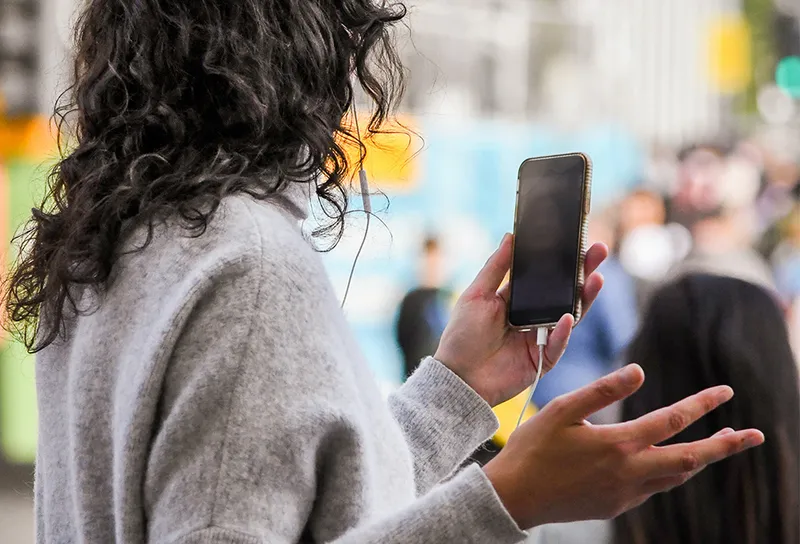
<point x="690" y="111"/>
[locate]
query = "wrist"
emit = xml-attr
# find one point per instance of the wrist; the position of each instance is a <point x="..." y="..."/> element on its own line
<point x="505" y="483"/>
<point x="466" y="377"/>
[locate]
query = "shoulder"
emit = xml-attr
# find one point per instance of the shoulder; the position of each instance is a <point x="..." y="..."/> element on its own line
<point x="251" y="262"/>
<point x="243" y="236"/>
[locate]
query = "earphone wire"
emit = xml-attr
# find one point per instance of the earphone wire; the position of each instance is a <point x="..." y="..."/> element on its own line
<point x="355" y="262"/>
<point x="365" y="199"/>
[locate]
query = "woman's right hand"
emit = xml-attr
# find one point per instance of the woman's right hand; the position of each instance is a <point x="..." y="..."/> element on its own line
<point x="558" y="467"/>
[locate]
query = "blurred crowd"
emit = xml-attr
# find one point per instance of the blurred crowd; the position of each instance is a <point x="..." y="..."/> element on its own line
<point x="727" y="209"/>
<point x="705" y="267"/>
<point x="703" y="275"/>
<point x="730" y="209"/>
<point x="733" y="210"/>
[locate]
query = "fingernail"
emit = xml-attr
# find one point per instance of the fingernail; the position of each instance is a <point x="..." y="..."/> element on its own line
<point x="630" y="375"/>
<point x="725" y="431"/>
<point x="725" y="394"/>
<point x="506" y="236"/>
<point x="753" y="440"/>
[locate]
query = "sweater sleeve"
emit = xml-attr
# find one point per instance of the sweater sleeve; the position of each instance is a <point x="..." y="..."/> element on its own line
<point x="443" y="419"/>
<point x="464" y="509"/>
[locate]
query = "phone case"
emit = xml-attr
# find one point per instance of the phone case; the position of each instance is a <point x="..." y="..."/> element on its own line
<point x="577" y="304"/>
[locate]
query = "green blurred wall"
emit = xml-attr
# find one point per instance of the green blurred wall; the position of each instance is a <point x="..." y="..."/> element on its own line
<point x="18" y="417"/>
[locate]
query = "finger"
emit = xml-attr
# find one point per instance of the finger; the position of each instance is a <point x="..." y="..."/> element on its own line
<point x="660" y="425"/>
<point x="594" y="258"/>
<point x="505" y="292"/>
<point x="663" y="485"/>
<point x="493" y="273"/>
<point x="556" y="342"/>
<point x="580" y="404"/>
<point x="591" y="289"/>
<point x="666" y="461"/>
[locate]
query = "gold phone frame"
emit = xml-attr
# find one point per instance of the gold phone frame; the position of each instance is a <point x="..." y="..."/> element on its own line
<point x="586" y="206"/>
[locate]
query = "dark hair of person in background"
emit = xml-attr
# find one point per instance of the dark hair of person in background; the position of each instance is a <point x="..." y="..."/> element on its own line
<point x="702" y="331"/>
<point x="179" y="103"/>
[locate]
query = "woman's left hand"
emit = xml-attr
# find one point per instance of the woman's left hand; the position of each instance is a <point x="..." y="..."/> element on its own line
<point x="480" y="347"/>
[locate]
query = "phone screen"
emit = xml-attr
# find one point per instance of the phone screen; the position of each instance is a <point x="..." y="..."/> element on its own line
<point x="547" y="234"/>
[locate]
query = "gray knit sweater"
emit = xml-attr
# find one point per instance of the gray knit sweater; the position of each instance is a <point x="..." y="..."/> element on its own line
<point x="215" y="394"/>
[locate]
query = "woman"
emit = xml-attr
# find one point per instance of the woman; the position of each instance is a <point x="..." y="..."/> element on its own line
<point x="197" y="381"/>
<point x="699" y="331"/>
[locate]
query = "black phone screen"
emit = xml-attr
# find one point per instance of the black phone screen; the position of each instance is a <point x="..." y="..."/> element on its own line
<point x="547" y="234"/>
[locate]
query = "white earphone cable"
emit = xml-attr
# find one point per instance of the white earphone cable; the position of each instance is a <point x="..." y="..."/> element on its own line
<point x="355" y="262"/>
<point x="367" y="206"/>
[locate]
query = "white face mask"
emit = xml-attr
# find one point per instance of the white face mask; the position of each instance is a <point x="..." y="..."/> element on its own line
<point x="739" y="183"/>
<point x="650" y="252"/>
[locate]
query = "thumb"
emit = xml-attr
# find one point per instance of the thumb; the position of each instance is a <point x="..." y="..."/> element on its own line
<point x="582" y="403"/>
<point x="491" y="276"/>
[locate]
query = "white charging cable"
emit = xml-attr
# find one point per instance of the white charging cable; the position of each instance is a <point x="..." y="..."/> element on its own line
<point x="541" y="341"/>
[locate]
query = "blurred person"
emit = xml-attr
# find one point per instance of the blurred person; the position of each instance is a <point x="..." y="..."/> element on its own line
<point x="740" y="181"/>
<point x="197" y="380"/>
<point x="603" y="334"/>
<point x="661" y="170"/>
<point x="699" y="331"/>
<point x="648" y="247"/>
<point x="786" y="263"/>
<point x="782" y="175"/>
<point x="778" y="195"/>
<point x="424" y="310"/>
<point x="786" y="257"/>
<point x="700" y="182"/>
<point x="640" y="208"/>
<point x="793" y="311"/>
<point x="737" y="335"/>
<point x="722" y="246"/>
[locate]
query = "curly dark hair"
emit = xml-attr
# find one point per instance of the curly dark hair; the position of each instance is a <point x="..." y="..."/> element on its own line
<point x="176" y="104"/>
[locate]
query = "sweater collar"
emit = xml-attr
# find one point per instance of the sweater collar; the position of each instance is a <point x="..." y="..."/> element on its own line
<point x="296" y="198"/>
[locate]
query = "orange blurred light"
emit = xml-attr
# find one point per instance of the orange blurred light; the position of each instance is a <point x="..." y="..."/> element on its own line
<point x="5" y="235"/>
<point x="31" y="138"/>
<point x="390" y="161"/>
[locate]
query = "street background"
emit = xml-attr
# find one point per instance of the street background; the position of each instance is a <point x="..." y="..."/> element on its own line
<point x="688" y="109"/>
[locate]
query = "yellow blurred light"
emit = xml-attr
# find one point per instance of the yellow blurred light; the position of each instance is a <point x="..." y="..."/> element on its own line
<point x="730" y="54"/>
<point x="390" y="162"/>
<point x="508" y="414"/>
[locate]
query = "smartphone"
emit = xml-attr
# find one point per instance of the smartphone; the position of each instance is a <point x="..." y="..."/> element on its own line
<point x="550" y="231"/>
